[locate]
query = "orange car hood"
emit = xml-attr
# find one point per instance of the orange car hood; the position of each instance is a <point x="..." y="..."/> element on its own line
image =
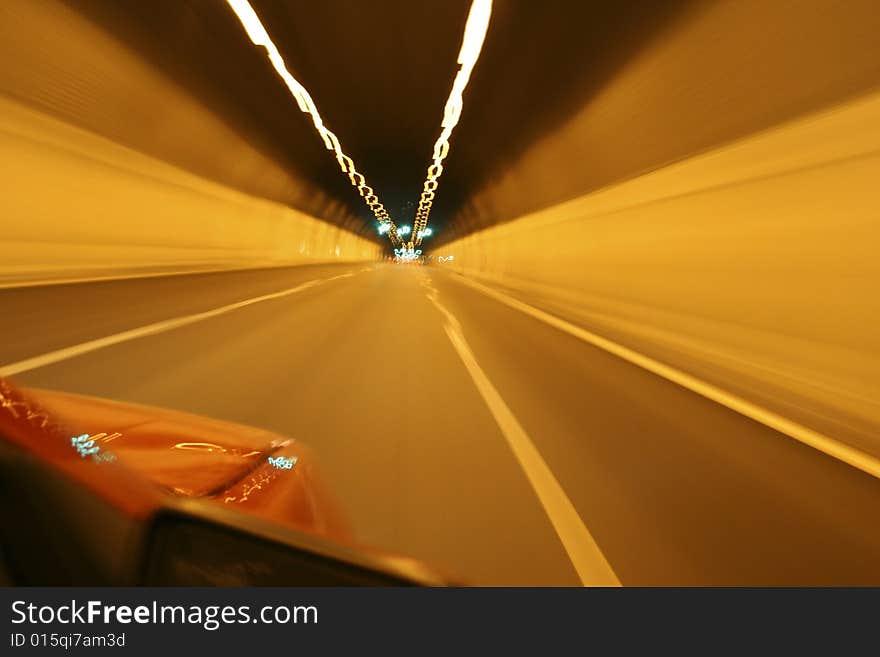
<point x="186" y="454"/>
<point x="242" y="467"/>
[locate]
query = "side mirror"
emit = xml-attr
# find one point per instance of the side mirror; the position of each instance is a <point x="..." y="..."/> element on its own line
<point x="199" y="544"/>
<point x="54" y="531"/>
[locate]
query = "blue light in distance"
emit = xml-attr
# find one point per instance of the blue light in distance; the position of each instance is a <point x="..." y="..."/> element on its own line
<point x="407" y="254"/>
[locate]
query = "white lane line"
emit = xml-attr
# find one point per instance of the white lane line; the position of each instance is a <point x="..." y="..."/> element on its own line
<point x="149" y="329"/>
<point x="8" y="285"/>
<point x="111" y="277"/>
<point x="825" y="444"/>
<point x="590" y="564"/>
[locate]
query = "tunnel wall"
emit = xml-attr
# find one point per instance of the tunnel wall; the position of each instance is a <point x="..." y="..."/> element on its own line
<point x="111" y="167"/>
<point x="715" y="71"/>
<point x="78" y="205"/>
<point x="754" y="265"/>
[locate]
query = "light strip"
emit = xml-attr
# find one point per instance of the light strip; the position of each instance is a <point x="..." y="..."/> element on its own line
<point x="260" y="37"/>
<point x="472" y="43"/>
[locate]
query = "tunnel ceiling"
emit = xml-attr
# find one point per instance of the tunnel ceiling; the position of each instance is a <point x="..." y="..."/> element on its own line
<point x="380" y="73"/>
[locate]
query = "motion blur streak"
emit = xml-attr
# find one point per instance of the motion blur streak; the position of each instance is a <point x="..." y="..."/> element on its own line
<point x="78" y="206"/>
<point x="854" y="457"/>
<point x="260" y="37"/>
<point x="656" y="244"/>
<point x="472" y="43"/>
<point x="751" y="267"/>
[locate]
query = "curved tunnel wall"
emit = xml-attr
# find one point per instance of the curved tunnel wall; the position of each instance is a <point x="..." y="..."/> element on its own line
<point x="78" y="205"/>
<point x="109" y="167"/>
<point x="752" y="264"/>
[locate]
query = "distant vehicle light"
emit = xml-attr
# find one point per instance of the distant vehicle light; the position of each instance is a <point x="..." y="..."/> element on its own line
<point x="407" y="253"/>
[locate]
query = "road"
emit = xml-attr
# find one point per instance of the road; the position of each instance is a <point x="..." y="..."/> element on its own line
<point x="473" y="464"/>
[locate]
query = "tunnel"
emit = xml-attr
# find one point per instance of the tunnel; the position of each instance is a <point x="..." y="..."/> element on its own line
<point x="634" y="339"/>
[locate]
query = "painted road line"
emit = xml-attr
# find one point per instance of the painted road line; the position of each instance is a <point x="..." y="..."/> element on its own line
<point x="110" y="278"/>
<point x="825" y="444"/>
<point x="587" y="558"/>
<point x="150" y="329"/>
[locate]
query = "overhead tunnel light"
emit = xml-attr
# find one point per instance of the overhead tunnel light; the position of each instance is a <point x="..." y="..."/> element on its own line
<point x="260" y="37"/>
<point x="472" y="43"/>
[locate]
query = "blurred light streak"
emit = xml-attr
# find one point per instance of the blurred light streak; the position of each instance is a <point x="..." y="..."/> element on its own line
<point x="407" y="253"/>
<point x="834" y="448"/>
<point x="472" y="43"/>
<point x="258" y="35"/>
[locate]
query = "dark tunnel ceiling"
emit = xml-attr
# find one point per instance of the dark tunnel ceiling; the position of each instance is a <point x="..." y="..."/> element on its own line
<point x="380" y="71"/>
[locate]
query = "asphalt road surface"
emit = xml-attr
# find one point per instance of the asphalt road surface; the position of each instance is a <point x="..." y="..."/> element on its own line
<point x="468" y="464"/>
